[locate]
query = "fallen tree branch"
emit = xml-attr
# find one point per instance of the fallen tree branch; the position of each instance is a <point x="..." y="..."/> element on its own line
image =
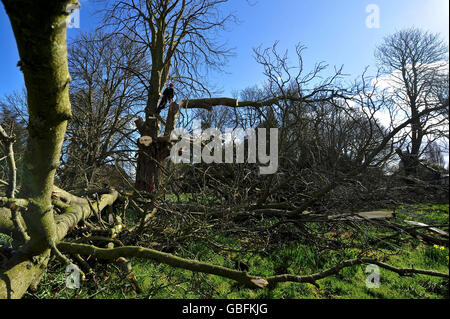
<point x="72" y="215"/>
<point x="412" y="232"/>
<point x="239" y="276"/>
<point x="74" y="210"/>
<point x="429" y="227"/>
<point x="209" y="103"/>
<point x="349" y="263"/>
<point x="21" y="271"/>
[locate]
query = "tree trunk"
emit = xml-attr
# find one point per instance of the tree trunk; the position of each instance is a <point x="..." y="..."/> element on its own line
<point x="20" y="271"/>
<point x="149" y="157"/>
<point x="147" y="171"/>
<point x="410" y="162"/>
<point x="40" y="31"/>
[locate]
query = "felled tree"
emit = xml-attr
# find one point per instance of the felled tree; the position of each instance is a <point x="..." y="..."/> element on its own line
<point x="40" y="32"/>
<point x="179" y="39"/>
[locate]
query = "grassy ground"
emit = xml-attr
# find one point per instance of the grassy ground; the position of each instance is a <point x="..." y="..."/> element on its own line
<point x="161" y="281"/>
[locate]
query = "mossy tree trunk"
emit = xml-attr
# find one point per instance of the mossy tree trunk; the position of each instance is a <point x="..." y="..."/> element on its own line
<point x="40" y="32"/>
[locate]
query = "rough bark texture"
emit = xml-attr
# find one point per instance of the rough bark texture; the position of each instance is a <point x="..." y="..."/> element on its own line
<point x="149" y="157"/>
<point x="20" y="273"/>
<point x="73" y="214"/>
<point x="147" y="171"/>
<point x="78" y="209"/>
<point x="40" y="31"/>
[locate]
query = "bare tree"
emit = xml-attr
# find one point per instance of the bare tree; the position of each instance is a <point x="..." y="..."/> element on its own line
<point x="14" y="123"/>
<point x="435" y="155"/>
<point x="417" y="64"/>
<point x="105" y="97"/>
<point x="179" y="38"/>
<point x="7" y="142"/>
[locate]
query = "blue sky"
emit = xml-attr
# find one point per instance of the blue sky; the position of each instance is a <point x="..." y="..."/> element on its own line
<point x="334" y="31"/>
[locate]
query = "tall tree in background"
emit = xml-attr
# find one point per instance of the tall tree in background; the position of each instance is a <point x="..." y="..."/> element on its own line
<point x="105" y="97"/>
<point x="417" y="64"/>
<point x="179" y="37"/>
<point x="434" y="155"/>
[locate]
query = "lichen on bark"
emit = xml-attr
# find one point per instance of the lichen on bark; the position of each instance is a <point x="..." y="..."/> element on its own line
<point x="40" y="31"/>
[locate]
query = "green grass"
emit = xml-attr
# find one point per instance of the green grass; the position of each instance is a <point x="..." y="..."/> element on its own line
<point x="425" y="213"/>
<point x="162" y="281"/>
